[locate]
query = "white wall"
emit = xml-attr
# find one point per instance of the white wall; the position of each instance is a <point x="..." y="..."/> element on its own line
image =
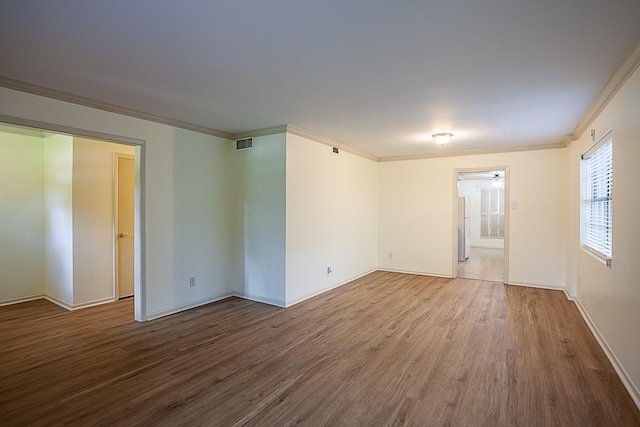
<point x="58" y="207"/>
<point x="78" y="248"/>
<point x="178" y="173"/>
<point x="21" y="216"/>
<point x="610" y="297"/>
<point x="416" y="214"/>
<point x="93" y="220"/>
<point x="202" y="219"/>
<point x="471" y="189"/>
<point x="331" y="217"/>
<point x="260" y="211"/>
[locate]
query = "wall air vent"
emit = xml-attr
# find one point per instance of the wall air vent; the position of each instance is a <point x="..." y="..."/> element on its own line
<point x="244" y="143"/>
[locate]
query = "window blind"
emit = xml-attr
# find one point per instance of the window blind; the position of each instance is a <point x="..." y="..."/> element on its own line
<point x="597" y="201"/>
<point x="491" y="213"/>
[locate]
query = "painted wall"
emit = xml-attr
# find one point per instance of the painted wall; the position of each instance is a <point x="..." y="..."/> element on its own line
<point x="22" y="261"/>
<point x="331" y="217"/>
<point x="261" y="223"/>
<point x="58" y="208"/>
<point x="471" y="189"/>
<point x="93" y="220"/>
<point x="78" y="248"/>
<point x="201" y="219"/>
<point x="181" y="170"/>
<point x="610" y="297"/>
<point x="416" y="214"/>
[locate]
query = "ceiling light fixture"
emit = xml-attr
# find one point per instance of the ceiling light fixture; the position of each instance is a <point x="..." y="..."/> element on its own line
<point x="442" y="138"/>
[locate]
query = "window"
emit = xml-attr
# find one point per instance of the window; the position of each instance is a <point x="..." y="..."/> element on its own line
<point x="492" y="213"/>
<point x="596" y="188"/>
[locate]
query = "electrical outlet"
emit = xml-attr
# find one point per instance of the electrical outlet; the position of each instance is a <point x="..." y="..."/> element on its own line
<point x="329" y="270"/>
<point x="192" y="281"/>
<point x="390" y="255"/>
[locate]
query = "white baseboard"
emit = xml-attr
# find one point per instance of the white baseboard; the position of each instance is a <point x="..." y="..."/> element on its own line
<point x="631" y="387"/>
<point x="337" y="285"/>
<point x="568" y="295"/>
<point x="72" y="307"/>
<point x="59" y="302"/>
<point x="530" y="285"/>
<point x="260" y="299"/>
<point x="19" y="300"/>
<point x="194" y="304"/>
<point x="418" y="273"/>
<point x="92" y="303"/>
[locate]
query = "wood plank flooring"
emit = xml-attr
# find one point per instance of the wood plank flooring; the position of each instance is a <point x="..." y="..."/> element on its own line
<point x="387" y="349"/>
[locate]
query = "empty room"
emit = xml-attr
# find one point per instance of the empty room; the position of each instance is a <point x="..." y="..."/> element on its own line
<point x="319" y="213"/>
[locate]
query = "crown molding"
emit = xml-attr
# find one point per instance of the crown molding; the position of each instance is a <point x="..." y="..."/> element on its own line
<point x="475" y="152"/>
<point x="67" y="130"/>
<point x="33" y="89"/>
<point x="260" y="132"/>
<point x="629" y="65"/>
<point x="293" y="130"/>
<point x="330" y="142"/>
<point x="6" y="127"/>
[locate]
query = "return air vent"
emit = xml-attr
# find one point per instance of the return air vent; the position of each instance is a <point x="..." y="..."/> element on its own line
<point x="244" y="144"/>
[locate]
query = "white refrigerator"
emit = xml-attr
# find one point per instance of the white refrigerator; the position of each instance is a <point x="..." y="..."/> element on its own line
<point x="464" y="231"/>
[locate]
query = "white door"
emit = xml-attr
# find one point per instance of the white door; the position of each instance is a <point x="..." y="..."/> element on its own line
<point x="125" y="188"/>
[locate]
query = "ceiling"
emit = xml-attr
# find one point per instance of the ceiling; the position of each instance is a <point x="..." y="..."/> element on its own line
<point x="377" y="75"/>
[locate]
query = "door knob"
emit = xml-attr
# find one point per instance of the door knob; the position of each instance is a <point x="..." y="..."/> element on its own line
<point x="123" y="235"/>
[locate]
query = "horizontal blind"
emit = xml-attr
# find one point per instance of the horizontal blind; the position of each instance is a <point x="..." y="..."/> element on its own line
<point x="491" y="213"/>
<point x="598" y="201"/>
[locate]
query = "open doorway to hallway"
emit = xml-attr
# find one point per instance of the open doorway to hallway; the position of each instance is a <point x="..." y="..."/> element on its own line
<point x="481" y="224"/>
<point x="60" y="228"/>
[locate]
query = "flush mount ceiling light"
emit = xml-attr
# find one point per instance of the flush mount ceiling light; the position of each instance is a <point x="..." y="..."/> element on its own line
<point x="442" y="138"/>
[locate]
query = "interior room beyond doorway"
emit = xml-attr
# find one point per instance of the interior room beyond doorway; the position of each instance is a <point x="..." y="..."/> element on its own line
<point x="61" y="191"/>
<point x="481" y="225"/>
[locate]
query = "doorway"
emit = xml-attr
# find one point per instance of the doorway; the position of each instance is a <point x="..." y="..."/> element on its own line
<point x="63" y="289"/>
<point x="481" y="224"/>
<point x="124" y="224"/>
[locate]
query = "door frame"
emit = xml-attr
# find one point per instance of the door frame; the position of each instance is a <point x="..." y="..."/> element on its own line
<point x="139" y="287"/>
<point x="116" y="225"/>
<point x="507" y="208"/>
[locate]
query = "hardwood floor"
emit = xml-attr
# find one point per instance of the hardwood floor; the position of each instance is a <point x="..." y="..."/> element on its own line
<point x="387" y="349"/>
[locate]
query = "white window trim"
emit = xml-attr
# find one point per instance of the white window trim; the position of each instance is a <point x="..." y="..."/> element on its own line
<point x="585" y="200"/>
